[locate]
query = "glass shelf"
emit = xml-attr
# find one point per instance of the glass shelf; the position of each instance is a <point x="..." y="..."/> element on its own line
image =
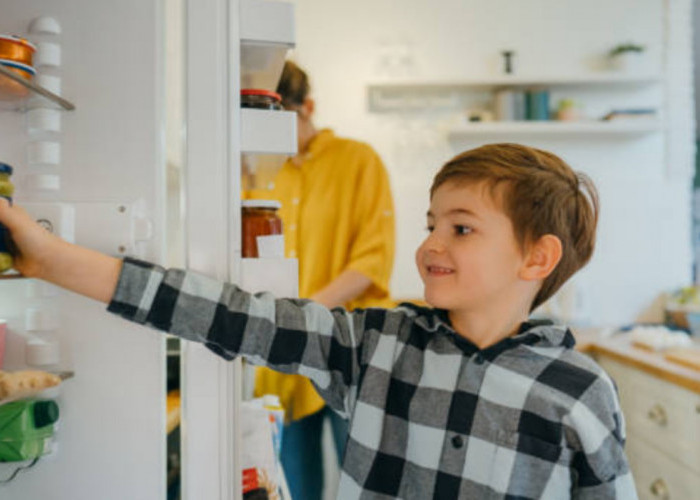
<point x="16" y="90"/>
<point x="12" y="276"/>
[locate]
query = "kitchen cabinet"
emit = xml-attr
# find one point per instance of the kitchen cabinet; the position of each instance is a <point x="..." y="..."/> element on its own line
<point x="663" y="420"/>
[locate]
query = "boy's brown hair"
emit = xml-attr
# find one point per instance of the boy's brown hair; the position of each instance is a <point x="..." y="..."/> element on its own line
<point x="541" y="195"/>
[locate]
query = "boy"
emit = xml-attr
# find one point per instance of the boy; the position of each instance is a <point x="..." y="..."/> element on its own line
<point x="464" y="400"/>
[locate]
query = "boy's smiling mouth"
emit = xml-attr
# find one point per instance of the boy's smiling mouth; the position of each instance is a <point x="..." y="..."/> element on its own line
<point x="439" y="271"/>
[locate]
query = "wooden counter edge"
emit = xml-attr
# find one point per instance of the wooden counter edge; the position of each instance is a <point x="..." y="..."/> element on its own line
<point x="650" y="362"/>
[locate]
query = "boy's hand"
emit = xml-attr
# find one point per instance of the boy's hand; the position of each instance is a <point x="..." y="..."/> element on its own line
<point x="34" y="244"/>
<point x="43" y="255"/>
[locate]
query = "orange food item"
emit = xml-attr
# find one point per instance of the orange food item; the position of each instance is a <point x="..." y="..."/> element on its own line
<point x="16" y="49"/>
<point x="259" y="219"/>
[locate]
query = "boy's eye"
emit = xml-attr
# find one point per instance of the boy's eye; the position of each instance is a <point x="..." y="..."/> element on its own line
<point x="429" y="228"/>
<point x="461" y="230"/>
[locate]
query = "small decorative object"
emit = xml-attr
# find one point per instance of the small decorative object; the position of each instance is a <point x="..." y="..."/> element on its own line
<point x="508" y="56"/>
<point x="626" y="56"/>
<point x="567" y="111"/>
<point x="479" y="115"/>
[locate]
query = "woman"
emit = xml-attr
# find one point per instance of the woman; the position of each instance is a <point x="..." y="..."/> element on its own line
<point x="338" y="219"/>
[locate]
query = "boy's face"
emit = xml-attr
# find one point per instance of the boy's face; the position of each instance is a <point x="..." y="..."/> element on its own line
<point x="471" y="257"/>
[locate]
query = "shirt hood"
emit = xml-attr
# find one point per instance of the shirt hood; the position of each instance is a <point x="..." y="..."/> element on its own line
<point x="536" y="333"/>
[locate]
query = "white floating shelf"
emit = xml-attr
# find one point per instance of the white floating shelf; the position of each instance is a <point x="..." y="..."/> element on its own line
<point x="520" y="81"/>
<point x="267" y="131"/>
<point x="618" y="127"/>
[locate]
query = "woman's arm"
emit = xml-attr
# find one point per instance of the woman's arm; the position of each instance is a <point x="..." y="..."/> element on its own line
<point x="347" y="286"/>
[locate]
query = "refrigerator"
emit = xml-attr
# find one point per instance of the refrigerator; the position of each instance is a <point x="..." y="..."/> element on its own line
<point x="131" y="143"/>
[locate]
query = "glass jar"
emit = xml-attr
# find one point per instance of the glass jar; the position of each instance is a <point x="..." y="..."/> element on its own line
<point x="17" y="49"/>
<point x="260" y="99"/>
<point x="7" y="189"/>
<point x="260" y="218"/>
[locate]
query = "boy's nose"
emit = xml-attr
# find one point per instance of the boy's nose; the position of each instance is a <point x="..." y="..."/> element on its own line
<point x="433" y="243"/>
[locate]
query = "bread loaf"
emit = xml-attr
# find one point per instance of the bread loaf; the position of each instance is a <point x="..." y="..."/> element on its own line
<point x="24" y="384"/>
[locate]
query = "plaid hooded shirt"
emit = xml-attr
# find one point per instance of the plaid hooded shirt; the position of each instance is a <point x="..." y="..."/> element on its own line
<point x="431" y="415"/>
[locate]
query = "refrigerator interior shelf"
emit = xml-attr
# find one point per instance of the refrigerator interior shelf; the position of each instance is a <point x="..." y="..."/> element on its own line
<point x="265" y="131"/>
<point x="16" y="90"/>
<point x="12" y="276"/>
<point x="268" y="22"/>
<point x="267" y="34"/>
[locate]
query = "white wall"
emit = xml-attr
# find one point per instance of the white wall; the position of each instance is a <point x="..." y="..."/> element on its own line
<point x="644" y="236"/>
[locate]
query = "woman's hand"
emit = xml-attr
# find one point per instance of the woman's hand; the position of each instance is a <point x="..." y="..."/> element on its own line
<point x="34" y="244"/>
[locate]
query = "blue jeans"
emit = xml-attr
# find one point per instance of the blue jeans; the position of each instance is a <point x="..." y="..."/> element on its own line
<point x="302" y="456"/>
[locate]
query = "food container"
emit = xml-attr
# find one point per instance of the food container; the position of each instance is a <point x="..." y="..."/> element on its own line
<point x="260" y="219"/>
<point x="260" y="99"/>
<point x="17" y="49"/>
<point x="10" y="89"/>
<point x="26" y="429"/>
<point x="7" y="189"/>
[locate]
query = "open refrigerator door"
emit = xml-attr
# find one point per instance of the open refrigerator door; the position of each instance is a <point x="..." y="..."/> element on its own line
<point x="83" y="139"/>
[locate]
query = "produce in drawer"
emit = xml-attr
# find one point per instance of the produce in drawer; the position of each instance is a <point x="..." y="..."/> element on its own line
<point x="25" y="384"/>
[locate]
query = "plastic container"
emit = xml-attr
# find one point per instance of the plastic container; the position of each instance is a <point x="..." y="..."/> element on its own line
<point x="10" y="89"/>
<point x="15" y="48"/>
<point x="7" y="189"/>
<point x="260" y="218"/>
<point x="271" y="402"/>
<point x="260" y="99"/>
<point x="26" y="429"/>
<point x="3" y="339"/>
<point x="21" y="69"/>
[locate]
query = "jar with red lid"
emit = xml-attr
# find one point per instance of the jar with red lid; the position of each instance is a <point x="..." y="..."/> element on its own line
<point x="260" y="99"/>
<point x="260" y="218"/>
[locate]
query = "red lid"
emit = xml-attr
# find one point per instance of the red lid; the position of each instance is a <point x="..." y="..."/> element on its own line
<point x="264" y="92"/>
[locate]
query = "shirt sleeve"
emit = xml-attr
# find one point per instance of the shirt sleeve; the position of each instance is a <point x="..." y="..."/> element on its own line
<point x="600" y="467"/>
<point x="288" y="335"/>
<point x="372" y="252"/>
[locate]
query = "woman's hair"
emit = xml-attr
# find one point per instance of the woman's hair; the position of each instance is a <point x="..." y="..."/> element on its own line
<point x="541" y="195"/>
<point x="293" y="85"/>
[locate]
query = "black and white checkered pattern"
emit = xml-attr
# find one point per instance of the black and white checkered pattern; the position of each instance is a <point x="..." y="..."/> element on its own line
<point x="431" y="416"/>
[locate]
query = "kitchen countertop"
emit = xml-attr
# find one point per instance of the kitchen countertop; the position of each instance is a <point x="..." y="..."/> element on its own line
<point x="619" y="347"/>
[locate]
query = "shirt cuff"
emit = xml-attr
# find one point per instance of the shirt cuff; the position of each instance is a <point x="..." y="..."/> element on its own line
<point x="136" y="289"/>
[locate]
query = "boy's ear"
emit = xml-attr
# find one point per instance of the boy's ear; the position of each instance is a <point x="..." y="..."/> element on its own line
<point x="541" y="259"/>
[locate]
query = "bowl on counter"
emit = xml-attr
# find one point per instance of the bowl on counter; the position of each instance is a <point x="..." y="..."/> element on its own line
<point x="17" y="49"/>
<point x="687" y="319"/>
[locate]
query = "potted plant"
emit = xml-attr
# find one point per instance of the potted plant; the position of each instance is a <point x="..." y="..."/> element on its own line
<point x="567" y="111"/>
<point x="626" y="56"/>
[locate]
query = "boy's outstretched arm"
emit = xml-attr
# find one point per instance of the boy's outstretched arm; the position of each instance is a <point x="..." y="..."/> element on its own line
<point x="288" y="335"/>
<point x="45" y="256"/>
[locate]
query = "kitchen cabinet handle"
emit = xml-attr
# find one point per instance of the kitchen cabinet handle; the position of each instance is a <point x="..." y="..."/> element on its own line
<point x="659" y="489"/>
<point x="657" y="414"/>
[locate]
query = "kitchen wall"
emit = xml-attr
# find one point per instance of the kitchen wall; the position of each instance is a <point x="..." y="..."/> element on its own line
<point x="644" y="180"/>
